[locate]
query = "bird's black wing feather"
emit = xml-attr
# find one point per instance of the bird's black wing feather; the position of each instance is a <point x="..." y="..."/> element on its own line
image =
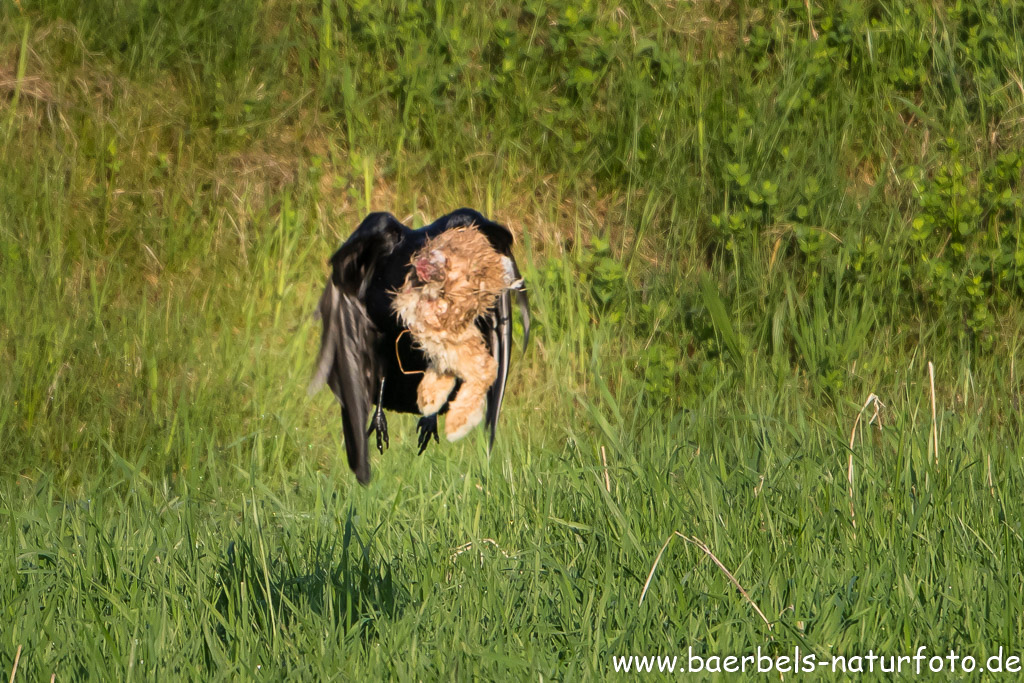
<point x="348" y="361"/>
<point x="497" y="234"/>
<point x="498" y="326"/>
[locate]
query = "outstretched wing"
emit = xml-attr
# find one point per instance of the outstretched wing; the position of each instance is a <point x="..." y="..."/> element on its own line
<point x="497" y="324"/>
<point x="496" y="233"/>
<point x="348" y="360"/>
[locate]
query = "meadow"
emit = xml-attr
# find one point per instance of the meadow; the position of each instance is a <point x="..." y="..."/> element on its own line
<point x="774" y="256"/>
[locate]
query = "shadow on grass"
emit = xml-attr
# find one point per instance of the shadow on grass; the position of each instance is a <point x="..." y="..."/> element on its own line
<point x="337" y="580"/>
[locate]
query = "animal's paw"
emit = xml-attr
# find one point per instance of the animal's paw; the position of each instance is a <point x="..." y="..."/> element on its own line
<point x="433" y="391"/>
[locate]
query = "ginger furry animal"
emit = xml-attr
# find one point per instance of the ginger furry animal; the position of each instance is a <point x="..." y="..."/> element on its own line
<point x="455" y="278"/>
<point x="419" y="321"/>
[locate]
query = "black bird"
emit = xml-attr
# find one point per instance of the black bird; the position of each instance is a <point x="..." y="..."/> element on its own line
<point x="419" y="321"/>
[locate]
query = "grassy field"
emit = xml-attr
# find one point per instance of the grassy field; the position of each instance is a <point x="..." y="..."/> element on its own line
<point x="748" y="231"/>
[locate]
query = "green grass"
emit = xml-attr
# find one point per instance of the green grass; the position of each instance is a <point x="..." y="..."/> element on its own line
<point x="736" y="222"/>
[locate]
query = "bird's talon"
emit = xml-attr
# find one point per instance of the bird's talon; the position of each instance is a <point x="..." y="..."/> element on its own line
<point x="379" y="424"/>
<point x="426" y="427"/>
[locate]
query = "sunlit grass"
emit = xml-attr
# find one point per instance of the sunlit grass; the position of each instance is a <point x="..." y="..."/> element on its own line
<point x="175" y="175"/>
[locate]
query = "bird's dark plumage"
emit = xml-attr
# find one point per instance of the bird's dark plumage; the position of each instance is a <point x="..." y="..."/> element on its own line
<point x="366" y="342"/>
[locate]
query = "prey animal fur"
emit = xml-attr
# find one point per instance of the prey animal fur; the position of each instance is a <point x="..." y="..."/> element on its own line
<point x="455" y="278"/>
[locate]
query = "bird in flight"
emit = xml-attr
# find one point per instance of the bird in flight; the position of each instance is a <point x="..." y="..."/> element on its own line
<point x="419" y="321"/>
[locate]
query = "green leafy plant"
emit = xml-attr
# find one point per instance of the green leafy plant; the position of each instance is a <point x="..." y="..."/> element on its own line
<point x="967" y="237"/>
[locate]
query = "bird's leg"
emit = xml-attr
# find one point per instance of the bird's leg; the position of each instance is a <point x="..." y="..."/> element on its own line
<point x="478" y="370"/>
<point x="379" y="423"/>
<point x="426" y="428"/>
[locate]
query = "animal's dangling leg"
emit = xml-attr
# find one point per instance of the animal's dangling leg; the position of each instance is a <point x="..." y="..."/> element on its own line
<point x="434" y="390"/>
<point x="478" y="370"/>
<point x="379" y="423"/>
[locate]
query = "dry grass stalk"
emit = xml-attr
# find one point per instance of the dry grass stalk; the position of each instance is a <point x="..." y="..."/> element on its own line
<point x="810" y="23"/>
<point x="469" y="546"/>
<point x="703" y="546"/>
<point x="872" y="398"/>
<point x="17" y="658"/>
<point x="607" y="480"/>
<point x="934" y="441"/>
